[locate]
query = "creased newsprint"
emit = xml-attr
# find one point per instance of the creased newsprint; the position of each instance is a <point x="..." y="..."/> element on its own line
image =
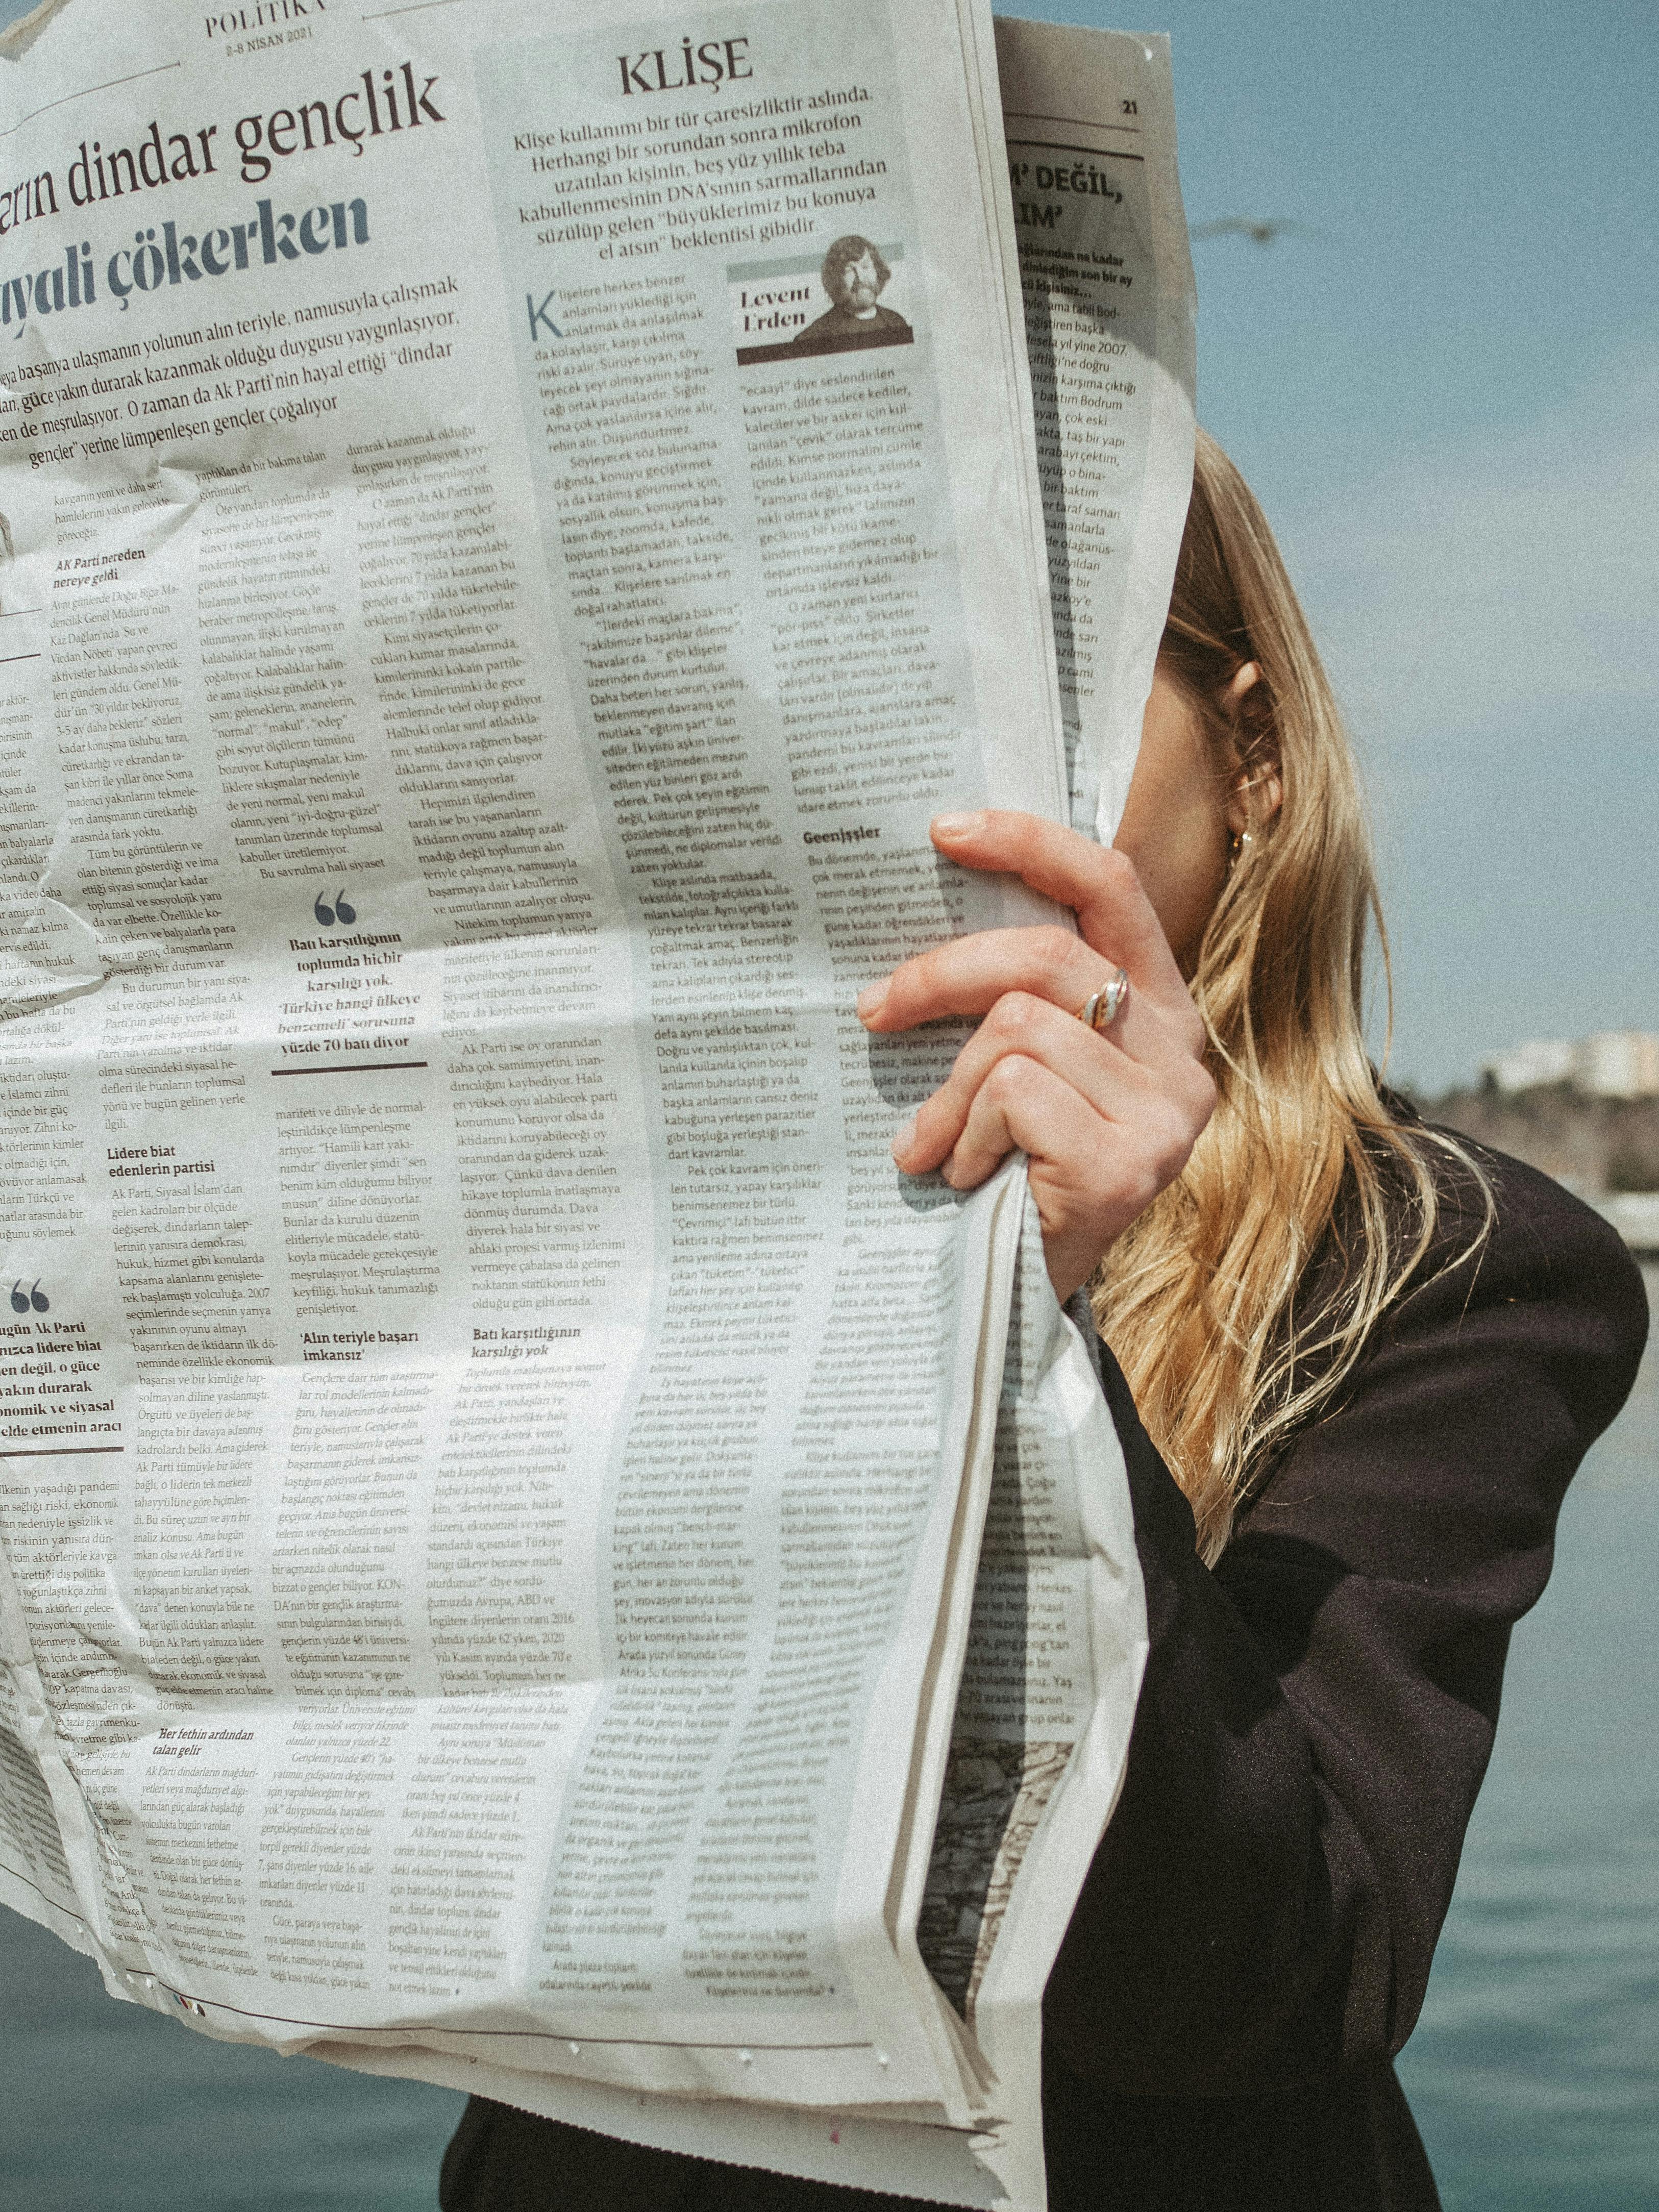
<point x="512" y="520"/>
<point x="1110" y="313"/>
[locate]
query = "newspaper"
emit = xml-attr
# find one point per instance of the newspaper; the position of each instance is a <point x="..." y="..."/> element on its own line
<point x="530" y="1557"/>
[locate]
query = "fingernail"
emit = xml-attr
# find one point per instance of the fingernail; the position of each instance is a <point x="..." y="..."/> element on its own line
<point x="905" y="1137"/>
<point x="871" y="1001"/>
<point x="957" y="825"/>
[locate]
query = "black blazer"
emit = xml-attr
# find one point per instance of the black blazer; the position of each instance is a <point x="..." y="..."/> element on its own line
<point x="1253" y="1942"/>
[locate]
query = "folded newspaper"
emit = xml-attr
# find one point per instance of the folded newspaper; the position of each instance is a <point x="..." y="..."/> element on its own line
<point x="531" y="1556"/>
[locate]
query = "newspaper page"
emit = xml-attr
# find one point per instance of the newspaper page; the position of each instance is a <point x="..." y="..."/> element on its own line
<point x="466" y="1537"/>
<point x="1110" y="318"/>
<point x="1058" y="1640"/>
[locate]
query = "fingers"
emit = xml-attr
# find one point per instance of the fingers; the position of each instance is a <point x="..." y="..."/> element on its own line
<point x="1155" y="1114"/>
<point x="1111" y="1083"/>
<point x="1115" y="918"/>
<point x="1100" y="885"/>
<point x="971" y="974"/>
<point x="1090" y="1178"/>
<point x="1022" y="1106"/>
<point x="1107" y="1121"/>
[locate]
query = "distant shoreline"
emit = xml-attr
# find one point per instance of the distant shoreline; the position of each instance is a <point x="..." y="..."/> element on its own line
<point x="1605" y="1151"/>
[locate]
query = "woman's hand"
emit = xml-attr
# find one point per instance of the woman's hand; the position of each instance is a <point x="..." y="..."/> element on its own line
<point x="1107" y="1121"/>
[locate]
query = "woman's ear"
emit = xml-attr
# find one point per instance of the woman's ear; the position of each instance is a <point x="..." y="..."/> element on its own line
<point x="1257" y="791"/>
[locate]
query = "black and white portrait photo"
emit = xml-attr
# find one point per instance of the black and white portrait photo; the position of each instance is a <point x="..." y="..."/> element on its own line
<point x="854" y="275"/>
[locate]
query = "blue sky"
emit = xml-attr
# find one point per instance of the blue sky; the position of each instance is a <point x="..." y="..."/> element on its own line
<point x="1447" y="397"/>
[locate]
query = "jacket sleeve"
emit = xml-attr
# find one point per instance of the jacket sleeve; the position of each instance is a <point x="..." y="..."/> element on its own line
<point x="1318" y="1710"/>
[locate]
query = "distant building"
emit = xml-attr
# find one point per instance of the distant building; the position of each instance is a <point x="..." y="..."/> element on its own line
<point x="1619" y="1064"/>
<point x="1635" y="1215"/>
<point x="1611" y="1064"/>
<point x="1526" y="1066"/>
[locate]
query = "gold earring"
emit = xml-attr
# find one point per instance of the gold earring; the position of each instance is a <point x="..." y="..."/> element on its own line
<point x="1238" y="845"/>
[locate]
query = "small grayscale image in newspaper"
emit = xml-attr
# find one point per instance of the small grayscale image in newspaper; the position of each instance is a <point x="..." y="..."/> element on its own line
<point x="849" y="300"/>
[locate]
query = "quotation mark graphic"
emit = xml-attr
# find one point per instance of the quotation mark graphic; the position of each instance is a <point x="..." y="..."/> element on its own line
<point x="328" y="916"/>
<point x="21" y="1300"/>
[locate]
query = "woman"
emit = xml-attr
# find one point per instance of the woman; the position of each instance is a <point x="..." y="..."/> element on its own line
<point x="1354" y="1365"/>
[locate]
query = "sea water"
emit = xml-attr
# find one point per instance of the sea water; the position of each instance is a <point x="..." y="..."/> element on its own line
<point x="1535" y="2073"/>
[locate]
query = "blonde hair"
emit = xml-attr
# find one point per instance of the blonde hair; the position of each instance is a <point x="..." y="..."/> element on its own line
<point x="1199" y="1299"/>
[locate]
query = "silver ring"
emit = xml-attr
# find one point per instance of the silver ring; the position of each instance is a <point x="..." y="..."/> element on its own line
<point x="1102" y="1008"/>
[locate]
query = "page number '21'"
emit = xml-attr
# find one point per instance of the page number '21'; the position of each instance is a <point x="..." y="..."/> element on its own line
<point x="1130" y="108"/>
